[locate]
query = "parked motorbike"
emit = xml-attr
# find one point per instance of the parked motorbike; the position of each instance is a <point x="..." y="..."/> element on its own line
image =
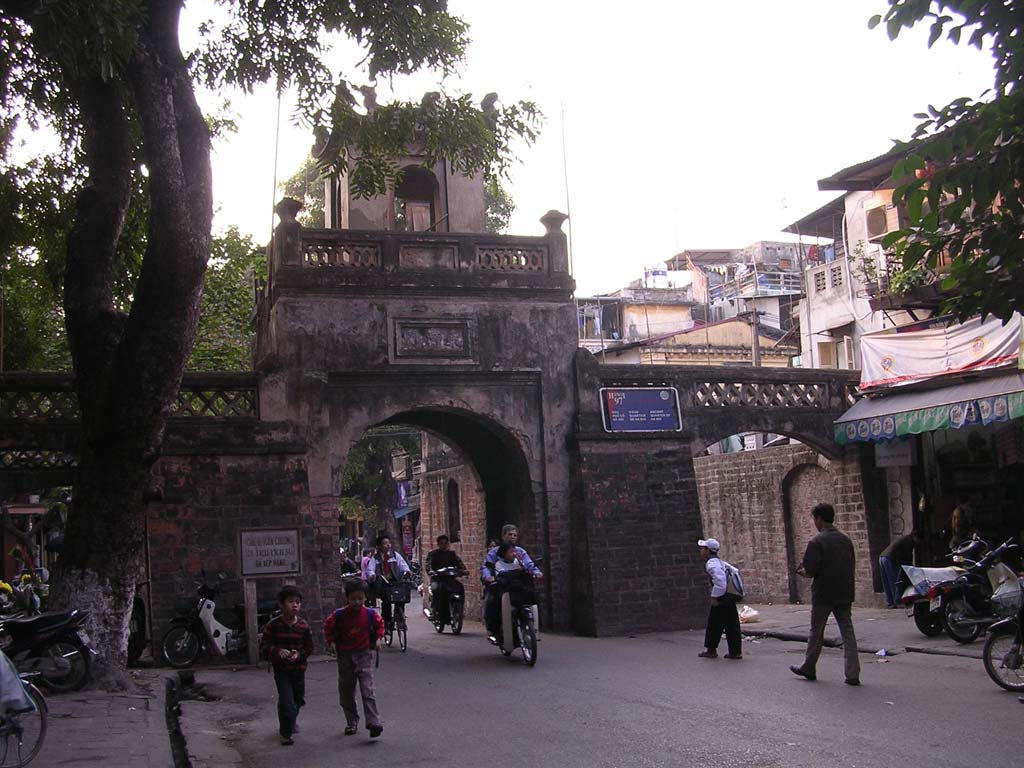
<point x="198" y="631"/>
<point x="454" y="593"/>
<point x="985" y="593"/>
<point x="518" y="614"/>
<point x="1003" y="653"/>
<point x="53" y="645"/>
<point x="915" y="596"/>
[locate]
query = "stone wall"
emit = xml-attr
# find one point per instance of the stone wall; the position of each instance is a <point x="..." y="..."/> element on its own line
<point x="206" y="500"/>
<point x="758" y="505"/>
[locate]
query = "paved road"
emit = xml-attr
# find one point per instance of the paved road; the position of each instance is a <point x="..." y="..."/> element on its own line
<point x="644" y="701"/>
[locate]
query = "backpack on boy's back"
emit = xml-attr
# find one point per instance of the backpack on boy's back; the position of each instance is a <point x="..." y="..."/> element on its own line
<point x="371" y="625"/>
<point x="733" y="581"/>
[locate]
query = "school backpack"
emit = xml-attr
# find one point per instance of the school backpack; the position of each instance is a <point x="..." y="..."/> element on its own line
<point x="733" y="581"/>
<point x="371" y="623"/>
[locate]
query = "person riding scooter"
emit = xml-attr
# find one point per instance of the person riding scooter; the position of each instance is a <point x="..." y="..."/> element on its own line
<point x="443" y="585"/>
<point x="492" y="606"/>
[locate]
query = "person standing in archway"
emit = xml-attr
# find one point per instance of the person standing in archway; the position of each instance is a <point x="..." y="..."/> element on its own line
<point x="829" y="561"/>
<point x="492" y="607"/>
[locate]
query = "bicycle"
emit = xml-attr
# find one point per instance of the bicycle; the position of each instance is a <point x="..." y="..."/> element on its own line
<point x="22" y="733"/>
<point x="397" y="593"/>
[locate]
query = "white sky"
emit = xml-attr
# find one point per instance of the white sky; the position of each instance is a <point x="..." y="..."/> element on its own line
<point x="687" y="125"/>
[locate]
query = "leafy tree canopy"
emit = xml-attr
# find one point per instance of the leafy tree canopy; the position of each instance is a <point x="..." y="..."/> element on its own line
<point x="961" y="178"/>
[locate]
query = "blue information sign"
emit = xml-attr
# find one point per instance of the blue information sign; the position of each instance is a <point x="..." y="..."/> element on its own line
<point x="640" y="409"/>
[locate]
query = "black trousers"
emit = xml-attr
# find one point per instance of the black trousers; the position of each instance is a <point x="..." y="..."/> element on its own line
<point x="724" y="617"/>
<point x="291" y="696"/>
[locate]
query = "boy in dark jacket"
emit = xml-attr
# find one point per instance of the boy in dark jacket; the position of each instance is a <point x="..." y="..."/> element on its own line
<point x="352" y="633"/>
<point x="287" y="642"/>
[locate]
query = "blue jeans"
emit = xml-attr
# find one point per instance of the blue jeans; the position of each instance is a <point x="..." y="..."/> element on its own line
<point x="890" y="574"/>
<point x="291" y="695"/>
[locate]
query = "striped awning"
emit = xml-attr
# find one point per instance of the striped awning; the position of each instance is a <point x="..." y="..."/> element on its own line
<point x="967" y="403"/>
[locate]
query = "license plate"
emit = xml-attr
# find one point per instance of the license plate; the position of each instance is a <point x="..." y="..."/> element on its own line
<point x="934" y="604"/>
<point x="84" y="638"/>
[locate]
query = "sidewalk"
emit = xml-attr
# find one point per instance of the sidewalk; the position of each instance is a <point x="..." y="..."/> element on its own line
<point x="876" y="628"/>
<point x="115" y="730"/>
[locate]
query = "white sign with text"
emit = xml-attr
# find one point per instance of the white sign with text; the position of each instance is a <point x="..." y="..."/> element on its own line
<point x="270" y="552"/>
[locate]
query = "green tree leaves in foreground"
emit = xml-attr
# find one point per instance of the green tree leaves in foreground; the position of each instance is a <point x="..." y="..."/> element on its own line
<point x="961" y="179"/>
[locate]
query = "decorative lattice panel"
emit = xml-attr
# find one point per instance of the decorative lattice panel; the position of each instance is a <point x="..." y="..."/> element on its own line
<point x="512" y="259"/>
<point x="215" y="402"/>
<point x="33" y="458"/>
<point x="334" y="254"/>
<point x="45" y="404"/>
<point x="722" y="394"/>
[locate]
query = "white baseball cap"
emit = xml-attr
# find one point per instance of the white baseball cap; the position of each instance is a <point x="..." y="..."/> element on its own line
<point x="711" y="544"/>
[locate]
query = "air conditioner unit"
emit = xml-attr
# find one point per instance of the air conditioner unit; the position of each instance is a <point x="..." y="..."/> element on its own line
<point x="880" y="221"/>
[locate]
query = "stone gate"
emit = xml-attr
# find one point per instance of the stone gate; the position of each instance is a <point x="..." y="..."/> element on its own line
<point x="471" y="337"/>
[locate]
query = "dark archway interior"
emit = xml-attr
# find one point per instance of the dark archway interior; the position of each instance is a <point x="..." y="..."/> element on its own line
<point x="498" y="461"/>
<point x="416" y="199"/>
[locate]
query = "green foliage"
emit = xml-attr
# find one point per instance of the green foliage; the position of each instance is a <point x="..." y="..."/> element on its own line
<point x="499" y="205"/>
<point x="225" y="335"/>
<point x="307" y="186"/>
<point x="33" y="320"/>
<point x="965" y="163"/>
<point x="367" y="482"/>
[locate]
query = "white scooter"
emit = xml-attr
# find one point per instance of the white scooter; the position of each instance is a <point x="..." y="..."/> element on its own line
<point x="518" y="615"/>
<point x="197" y="629"/>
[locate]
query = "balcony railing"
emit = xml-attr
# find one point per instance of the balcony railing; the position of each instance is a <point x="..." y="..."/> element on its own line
<point x="316" y="257"/>
<point x="759" y="283"/>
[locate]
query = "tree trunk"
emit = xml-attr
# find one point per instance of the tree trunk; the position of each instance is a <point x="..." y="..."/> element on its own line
<point x="128" y="370"/>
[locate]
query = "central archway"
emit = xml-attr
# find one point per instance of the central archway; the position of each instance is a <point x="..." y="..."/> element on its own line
<point x="496" y="457"/>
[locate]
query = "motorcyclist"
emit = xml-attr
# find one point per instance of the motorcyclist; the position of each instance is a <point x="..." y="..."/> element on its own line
<point x="443" y="557"/>
<point x="492" y="602"/>
<point x="389" y="565"/>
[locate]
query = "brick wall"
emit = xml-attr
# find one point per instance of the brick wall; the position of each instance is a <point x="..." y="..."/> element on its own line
<point x="758" y="505"/>
<point x="635" y="512"/>
<point x="472" y="542"/>
<point x="206" y="500"/>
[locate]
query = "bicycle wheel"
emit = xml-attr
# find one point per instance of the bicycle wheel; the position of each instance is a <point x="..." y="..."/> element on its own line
<point x="456" y="611"/>
<point x="402" y="629"/>
<point x="527" y="639"/>
<point x="21" y="735"/>
<point x="389" y="629"/>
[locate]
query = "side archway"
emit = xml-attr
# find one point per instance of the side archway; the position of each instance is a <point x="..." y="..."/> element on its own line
<point x="802" y="488"/>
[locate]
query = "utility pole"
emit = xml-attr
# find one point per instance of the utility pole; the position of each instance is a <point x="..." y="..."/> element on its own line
<point x="755" y="335"/>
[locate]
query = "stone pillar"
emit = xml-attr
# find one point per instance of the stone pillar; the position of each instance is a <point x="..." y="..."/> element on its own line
<point x="558" y="248"/>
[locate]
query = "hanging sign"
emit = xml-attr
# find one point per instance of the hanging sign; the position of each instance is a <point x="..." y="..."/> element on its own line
<point x="270" y="552"/>
<point x="640" y="409"/>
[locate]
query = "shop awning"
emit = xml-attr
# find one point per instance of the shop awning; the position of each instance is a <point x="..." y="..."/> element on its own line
<point x="984" y="401"/>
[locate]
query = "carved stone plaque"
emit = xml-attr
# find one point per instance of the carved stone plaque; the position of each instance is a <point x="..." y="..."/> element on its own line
<point x="427" y="257"/>
<point x="444" y="339"/>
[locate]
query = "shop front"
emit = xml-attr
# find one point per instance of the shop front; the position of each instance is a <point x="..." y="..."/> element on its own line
<point x="944" y="409"/>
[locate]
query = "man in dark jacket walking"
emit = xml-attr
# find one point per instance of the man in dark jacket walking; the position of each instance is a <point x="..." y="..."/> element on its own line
<point x="829" y="560"/>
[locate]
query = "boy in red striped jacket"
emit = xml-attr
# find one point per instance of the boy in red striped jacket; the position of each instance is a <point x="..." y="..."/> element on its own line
<point x="287" y="642"/>
<point x="352" y="633"/>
